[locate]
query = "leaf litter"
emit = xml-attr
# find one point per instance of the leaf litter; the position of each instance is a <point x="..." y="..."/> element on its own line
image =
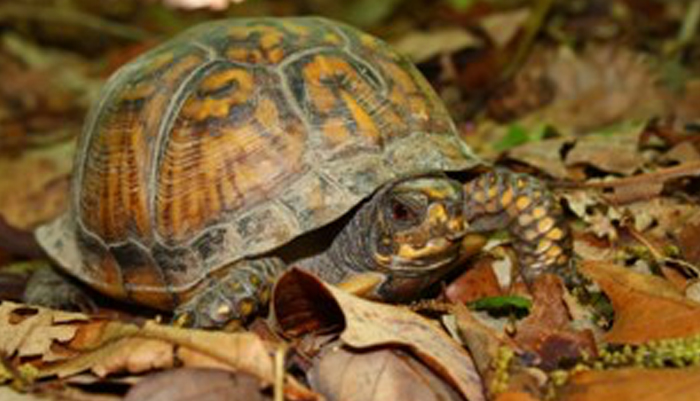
<point x="600" y="108"/>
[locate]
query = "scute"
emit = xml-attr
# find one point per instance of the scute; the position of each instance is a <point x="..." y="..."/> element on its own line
<point x="231" y="140"/>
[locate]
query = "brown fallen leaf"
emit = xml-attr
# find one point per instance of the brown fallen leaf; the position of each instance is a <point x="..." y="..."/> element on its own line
<point x="386" y="374"/>
<point x="645" y="186"/>
<point x="548" y="330"/>
<point x="110" y="347"/>
<point x="52" y="392"/>
<point x="516" y="396"/>
<point x="370" y="324"/>
<point x="611" y="153"/>
<point x="65" y="344"/>
<point x="597" y="87"/>
<point x="188" y="384"/>
<point x="689" y="238"/>
<point x="133" y="355"/>
<point x="422" y="46"/>
<point x="29" y="332"/>
<point x="504" y="26"/>
<point x="683" y="152"/>
<point x="546" y="155"/>
<point x="42" y="193"/>
<point x="634" y="385"/>
<point x="646" y="307"/>
<point x="490" y="349"/>
<point x="478" y="282"/>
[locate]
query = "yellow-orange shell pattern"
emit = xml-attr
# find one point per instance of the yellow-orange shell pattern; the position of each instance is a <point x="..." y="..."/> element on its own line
<point x="234" y="138"/>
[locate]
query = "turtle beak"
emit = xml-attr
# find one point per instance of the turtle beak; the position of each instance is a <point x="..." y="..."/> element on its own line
<point x="444" y="223"/>
<point x="444" y="229"/>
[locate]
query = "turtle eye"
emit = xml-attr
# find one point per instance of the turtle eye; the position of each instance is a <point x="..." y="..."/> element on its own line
<point x="402" y="212"/>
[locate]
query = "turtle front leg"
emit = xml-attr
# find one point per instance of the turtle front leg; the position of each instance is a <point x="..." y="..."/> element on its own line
<point x="501" y="199"/>
<point x="232" y="297"/>
<point x="50" y="288"/>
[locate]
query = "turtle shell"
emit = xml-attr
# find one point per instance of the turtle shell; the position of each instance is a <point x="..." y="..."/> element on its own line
<point x="234" y="138"/>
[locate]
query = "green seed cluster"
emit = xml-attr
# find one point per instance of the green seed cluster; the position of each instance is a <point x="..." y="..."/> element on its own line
<point x="669" y="353"/>
<point x="678" y="352"/>
<point x="501" y="376"/>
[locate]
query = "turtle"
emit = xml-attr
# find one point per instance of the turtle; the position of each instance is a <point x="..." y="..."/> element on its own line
<point x="241" y="147"/>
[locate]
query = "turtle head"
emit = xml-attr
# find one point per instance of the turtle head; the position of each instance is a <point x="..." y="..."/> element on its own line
<point x="416" y="230"/>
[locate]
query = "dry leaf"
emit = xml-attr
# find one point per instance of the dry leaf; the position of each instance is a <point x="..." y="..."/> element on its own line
<point x="110" y="349"/>
<point x="376" y="375"/>
<point x="634" y="385"/>
<point x="70" y="343"/>
<point x="545" y="155"/>
<point x="422" y="46"/>
<point x="133" y="355"/>
<point x="482" y="341"/>
<point x="197" y="384"/>
<point x="645" y="186"/>
<point x="42" y="193"/>
<point x="478" y="282"/>
<point x="646" y="307"/>
<point x="689" y="238"/>
<point x="487" y="346"/>
<point x="548" y="330"/>
<point x="371" y="324"/>
<point x="27" y="331"/>
<point x="218" y="5"/>
<point x="611" y="153"/>
<point x="598" y="87"/>
<point x="8" y="394"/>
<point x="516" y="396"/>
<point x="504" y="26"/>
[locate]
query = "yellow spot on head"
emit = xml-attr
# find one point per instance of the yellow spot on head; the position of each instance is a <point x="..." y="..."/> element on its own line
<point x="183" y="320"/>
<point x="437" y="214"/>
<point x="223" y="310"/>
<point x="493" y="192"/>
<point x="255" y="280"/>
<point x="246" y="307"/>
<point x="264" y="295"/>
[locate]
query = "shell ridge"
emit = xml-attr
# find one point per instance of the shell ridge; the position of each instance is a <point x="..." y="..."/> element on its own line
<point x="178" y="99"/>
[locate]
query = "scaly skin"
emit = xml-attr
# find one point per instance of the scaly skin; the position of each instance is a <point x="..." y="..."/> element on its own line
<point x="501" y="199"/>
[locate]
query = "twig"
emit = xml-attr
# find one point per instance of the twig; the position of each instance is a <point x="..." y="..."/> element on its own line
<point x="532" y="28"/>
<point x="279" y="373"/>
<point x="659" y="256"/>
<point x="689" y="28"/>
<point x="660" y="176"/>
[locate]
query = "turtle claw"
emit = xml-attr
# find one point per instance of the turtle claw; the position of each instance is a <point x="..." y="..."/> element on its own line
<point x="231" y="299"/>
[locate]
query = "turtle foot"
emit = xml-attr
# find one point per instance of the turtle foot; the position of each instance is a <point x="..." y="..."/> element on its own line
<point x="51" y="289"/>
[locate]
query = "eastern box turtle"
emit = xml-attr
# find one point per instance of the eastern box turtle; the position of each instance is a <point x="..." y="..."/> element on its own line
<point x="240" y="147"/>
